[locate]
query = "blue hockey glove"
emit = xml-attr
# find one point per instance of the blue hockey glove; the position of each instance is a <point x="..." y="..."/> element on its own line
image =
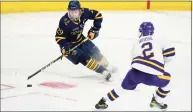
<point x="93" y="33"/>
<point x="65" y="50"/>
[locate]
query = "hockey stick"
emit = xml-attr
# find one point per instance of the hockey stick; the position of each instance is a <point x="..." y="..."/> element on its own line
<point x="29" y="77"/>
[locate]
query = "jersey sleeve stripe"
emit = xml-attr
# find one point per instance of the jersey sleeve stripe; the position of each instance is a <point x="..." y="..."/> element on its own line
<point x="168" y="54"/>
<point x="97" y="14"/>
<point x="98" y="17"/>
<point x="168" y="50"/>
<point x="60" y="38"/>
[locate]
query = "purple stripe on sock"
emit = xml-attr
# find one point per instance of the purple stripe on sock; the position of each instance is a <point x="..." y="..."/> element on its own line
<point x="162" y="96"/>
<point x="162" y="91"/>
<point x="114" y="93"/>
<point x="151" y="60"/>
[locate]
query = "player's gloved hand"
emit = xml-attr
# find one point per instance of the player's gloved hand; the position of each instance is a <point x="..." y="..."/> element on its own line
<point x="65" y="51"/>
<point x="93" y="33"/>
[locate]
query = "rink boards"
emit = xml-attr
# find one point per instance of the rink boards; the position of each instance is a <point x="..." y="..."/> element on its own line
<point x="34" y="6"/>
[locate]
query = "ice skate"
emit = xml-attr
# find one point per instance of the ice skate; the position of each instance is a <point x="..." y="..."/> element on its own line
<point x="155" y="104"/>
<point x="107" y="75"/>
<point x="101" y="104"/>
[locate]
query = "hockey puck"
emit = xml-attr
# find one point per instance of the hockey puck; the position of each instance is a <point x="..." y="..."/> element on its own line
<point x="29" y="85"/>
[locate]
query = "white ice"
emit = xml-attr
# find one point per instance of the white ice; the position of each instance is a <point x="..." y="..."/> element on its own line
<point x="28" y="43"/>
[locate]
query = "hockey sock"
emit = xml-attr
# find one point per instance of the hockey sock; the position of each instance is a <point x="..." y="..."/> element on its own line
<point x="91" y="64"/>
<point x="94" y="65"/>
<point x="115" y="93"/>
<point x="161" y="94"/>
<point x="112" y="95"/>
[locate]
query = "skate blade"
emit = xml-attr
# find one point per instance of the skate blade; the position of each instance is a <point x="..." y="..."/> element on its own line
<point x="106" y="82"/>
<point x="98" y="110"/>
<point x="157" y="109"/>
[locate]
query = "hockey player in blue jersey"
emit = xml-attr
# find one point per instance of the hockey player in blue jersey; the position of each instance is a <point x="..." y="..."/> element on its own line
<point x="149" y="57"/>
<point x="69" y="34"/>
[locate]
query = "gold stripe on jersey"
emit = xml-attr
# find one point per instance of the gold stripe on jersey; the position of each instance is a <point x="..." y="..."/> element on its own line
<point x="76" y="41"/>
<point x="97" y="14"/>
<point x="58" y="39"/>
<point x="149" y="62"/>
<point x="98" y="17"/>
<point x="164" y="77"/>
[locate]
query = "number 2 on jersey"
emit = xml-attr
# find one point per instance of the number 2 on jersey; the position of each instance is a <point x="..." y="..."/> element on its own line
<point x="147" y="51"/>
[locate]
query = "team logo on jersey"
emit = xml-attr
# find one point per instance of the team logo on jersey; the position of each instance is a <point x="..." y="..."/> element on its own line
<point x="77" y="28"/>
<point x="59" y="31"/>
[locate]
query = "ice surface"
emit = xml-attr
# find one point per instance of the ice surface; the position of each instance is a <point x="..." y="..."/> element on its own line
<point x="28" y="43"/>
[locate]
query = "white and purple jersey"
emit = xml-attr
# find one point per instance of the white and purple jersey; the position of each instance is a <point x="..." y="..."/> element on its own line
<point x="149" y="55"/>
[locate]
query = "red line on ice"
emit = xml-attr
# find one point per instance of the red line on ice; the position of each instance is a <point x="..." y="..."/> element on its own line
<point x="8" y="87"/>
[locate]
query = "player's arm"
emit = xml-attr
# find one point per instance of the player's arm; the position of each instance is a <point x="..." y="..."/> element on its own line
<point x="168" y="53"/>
<point x="61" y="36"/>
<point x="97" y="17"/>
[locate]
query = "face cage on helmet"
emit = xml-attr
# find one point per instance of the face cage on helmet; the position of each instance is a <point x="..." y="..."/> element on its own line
<point x="71" y="16"/>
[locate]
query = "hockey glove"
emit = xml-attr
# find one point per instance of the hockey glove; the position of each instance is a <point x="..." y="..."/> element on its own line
<point x="93" y="33"/>
<point x="65" y="50"/>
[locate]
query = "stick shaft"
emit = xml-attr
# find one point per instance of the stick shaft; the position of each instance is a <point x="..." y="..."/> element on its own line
<point x="43" y="68"/>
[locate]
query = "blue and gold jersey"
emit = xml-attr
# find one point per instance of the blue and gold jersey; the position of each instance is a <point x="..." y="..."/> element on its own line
<point x="70" y="32"/>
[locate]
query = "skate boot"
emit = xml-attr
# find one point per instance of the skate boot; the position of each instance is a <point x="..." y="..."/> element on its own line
<point x="107" y="75"/>
<point x="158" y="105"/>
<point x="101" y="104"/>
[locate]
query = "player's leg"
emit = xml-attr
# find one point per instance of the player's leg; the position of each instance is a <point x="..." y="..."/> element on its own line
<point x="78" y="56"/>
<point x="90" y="48"/>
<point x="163" y="84"/>
<point x="130" y="82"/>
<point x="160" y="81"/>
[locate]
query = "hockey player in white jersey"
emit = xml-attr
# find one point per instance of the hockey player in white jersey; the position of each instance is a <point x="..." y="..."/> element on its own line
<point x="148" y="60"/>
